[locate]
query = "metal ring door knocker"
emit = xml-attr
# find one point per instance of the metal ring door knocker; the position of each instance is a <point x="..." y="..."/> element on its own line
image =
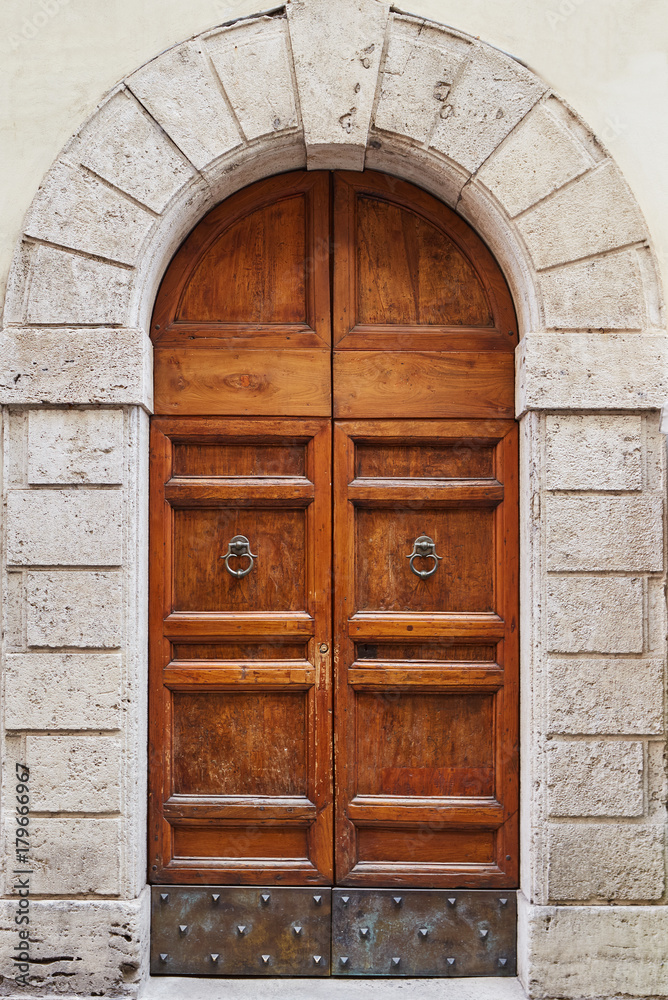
<point x="424" y="547"/>
<point x="239" y="547"/>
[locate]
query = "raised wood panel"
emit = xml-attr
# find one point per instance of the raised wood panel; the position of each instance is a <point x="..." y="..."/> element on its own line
<point x="426" y="711"/>
<point x="204" y="380"/>
<point x="376" y="384"/>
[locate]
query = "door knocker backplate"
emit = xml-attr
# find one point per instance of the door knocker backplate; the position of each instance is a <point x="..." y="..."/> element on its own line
<point x="239" y="548"/>
<point x="424" y="547"/>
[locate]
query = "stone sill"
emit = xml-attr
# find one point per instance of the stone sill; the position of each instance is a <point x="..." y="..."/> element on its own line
<point x="177" y="988"/>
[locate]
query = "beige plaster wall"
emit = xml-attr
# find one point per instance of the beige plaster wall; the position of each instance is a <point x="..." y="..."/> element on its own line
<point x="607" y="58"/>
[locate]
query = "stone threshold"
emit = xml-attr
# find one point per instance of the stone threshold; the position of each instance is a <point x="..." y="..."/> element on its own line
<point x="186" y="988"/>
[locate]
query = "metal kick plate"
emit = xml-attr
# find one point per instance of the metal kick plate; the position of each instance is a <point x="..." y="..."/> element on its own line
<point x="423" y="932"/>
<point x="234" y="931"/>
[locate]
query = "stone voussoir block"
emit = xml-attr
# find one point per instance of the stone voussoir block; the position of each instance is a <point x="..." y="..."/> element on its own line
<point x="84" y="691"/>
<point x="593" y="452"/>
<point x="590" y="371"/>
<point x="67" y="288"/>
<point x="75" y="447"/>
<point x="595" y="778"/>
<point x="74" y="773"/>
<point x="492" y="94"/>
<point x="153" y="173"/>
<point x="593" y="214"/>
<point x="68" y="608"/>
<point x="421" y="65"/>
<point x="606" y="861"/>
<point x="253" y="62"/>
<point x="604" y="533"/>
<point x="96" y="947"/>
<point x="64" y="527"/>
<point x="597" y="696"/>
<point x="547" y="149"/>
<point x="605" y="293"/>
<point x="595" y="614"/>
<point x="180" y="91"/>
<point x="336" y="50"/>
<point x="76" y="366"/>
<point x="75" y="209"/>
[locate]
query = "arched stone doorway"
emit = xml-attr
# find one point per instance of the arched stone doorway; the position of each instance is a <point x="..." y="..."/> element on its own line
<point x="481" y="132"/>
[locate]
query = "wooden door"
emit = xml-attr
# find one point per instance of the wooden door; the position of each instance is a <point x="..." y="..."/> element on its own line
<point x="417" y="397"/>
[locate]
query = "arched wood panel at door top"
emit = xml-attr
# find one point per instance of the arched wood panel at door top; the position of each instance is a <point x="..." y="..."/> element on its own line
<point x="305" y="310"/>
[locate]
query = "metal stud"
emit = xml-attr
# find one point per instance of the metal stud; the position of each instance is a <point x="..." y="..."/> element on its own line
<point x="504" y="902"/>
<point x="163" y="958"/>
<point x="424" y="932"/>
<point x="183" y="928"/>
<point x="483" y="933"/>
<point x="398" y="900"/>
<point x="345" y="900"/>
<point x="450" y="961"/>
<point x="241" y="929"/>
<point x="344" y="960"/>
<point x="164" y="897"/>
<point x="452" y="900"/>
<point x="214" y="958"/>
<point x="364" y="932"/>
<point x="265" y="897"/>
<point x="297" y="930"/>
<point x="317" y="900"/>
<point x="317" y="959"/>
<point x="503" y="962"/>
<point x="265" y="959"/>
<point x="215" y="897"/>
<point x="396" y="961"/>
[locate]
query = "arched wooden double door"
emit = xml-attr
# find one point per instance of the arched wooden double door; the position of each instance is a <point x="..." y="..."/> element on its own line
<point x="334" y="395"/>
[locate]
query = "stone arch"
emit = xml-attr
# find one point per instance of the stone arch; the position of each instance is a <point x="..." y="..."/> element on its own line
<point x="351" y="85"/>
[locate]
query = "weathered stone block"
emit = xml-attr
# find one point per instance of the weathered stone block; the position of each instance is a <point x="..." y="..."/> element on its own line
<point x="595" y="778"/>
<point x="74" y="773"/>
<point x="75" y="209"/>
<point x="152" y="173"/>
<point x="67" y="288"/>
<point x="95" y="947"/>
<point x="605" y="293"/>
<point x="605" y="696"/>
<point x="543" y="153"/>
<point x="606" y="861"/>
<point x="181" y="93"/>
<point x="595" y="614"/>
<point x="70" y="856"/>
<point x="491" y="96"/>
<point x="253" y="62"/>
<point x="75" y="446"/>
<point x="336" y="50"/>
<point x="593" y="214"/>
<point x="589" y="951"/>
<point x="595" y="452"/>
<point x="76" y="366"/>
<point x="83" y="691"/>
<point x="421" y="66"/>
<point x="74" y="609"/>
<point x="604" y="533"/>
<point x="591" y="371"/>
<point x="64" y="527"/>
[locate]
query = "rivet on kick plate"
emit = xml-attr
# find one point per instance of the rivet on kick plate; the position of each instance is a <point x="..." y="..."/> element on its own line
<point x="241" y="928"/>
<point x="297" y="930"/>
<point x="398" y="900"/>
<point x="450" y="961"/>
<point x="483" y="933"/>
<point x="265" y="897"/>
<point x="452" y="900"/>
<point x="344" y="960"/>
<point x="396" y="961"/>
<point x="504" y="902"/>
<point x="503" y="962"/>
<point x="317" y="959"/>
<point x="214" y="958"/>
<point x="423" y="932"/>
<point x="164" y="897"/>
<point x="183" y="928"/>
<point x="265" y="959"/>
<point x="345" y="900"/>
<point x="364" y="932"/>
<point x="317" y="900"/>
<point x="163" y="958"/>
<point x="215" y="897"/>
